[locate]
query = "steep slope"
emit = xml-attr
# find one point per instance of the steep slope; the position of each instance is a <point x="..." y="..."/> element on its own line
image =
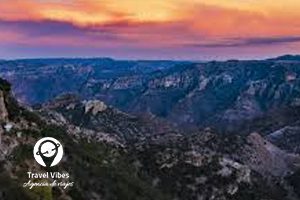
<point x="99" y="117"/>
<point x="280" y="126"/>
<point x="221" y="93"/>
<point x="100" y="170"/>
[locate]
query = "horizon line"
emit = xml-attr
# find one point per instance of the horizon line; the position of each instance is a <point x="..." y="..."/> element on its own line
<point x="142" y="59"/>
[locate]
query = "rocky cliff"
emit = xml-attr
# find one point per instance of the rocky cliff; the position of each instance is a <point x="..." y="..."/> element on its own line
<point x="222" y="94"/>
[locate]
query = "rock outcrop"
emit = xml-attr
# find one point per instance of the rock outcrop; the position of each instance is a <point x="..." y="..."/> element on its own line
<point x="94" y="106"/>
<point x="266" y="158"/>
<point x="3" y="110"/>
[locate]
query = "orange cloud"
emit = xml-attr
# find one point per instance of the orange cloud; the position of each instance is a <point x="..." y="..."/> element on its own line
<point x="216" y="17"/>
<point x="151" y="24"/>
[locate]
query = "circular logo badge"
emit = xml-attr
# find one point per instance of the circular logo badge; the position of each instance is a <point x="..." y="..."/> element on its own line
<point x="48" y="152"/>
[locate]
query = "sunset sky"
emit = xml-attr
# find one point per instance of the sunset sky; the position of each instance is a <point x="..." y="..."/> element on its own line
<point x="154" y="29"/>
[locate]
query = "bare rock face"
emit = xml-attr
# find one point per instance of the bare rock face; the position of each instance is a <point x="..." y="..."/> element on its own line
<point x="95" y="106"/>
<point x="266" y="158"/>
<point x="3" y="110"/>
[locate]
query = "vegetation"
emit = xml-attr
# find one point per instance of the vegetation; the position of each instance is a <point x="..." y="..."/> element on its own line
<point x="4" y="85"/>
<point x="186" y="168"/>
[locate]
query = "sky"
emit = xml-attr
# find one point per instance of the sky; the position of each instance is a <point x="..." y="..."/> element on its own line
<point x="153" y="29"/>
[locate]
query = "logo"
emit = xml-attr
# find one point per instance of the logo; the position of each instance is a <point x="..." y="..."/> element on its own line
<point x="48" y="152"/>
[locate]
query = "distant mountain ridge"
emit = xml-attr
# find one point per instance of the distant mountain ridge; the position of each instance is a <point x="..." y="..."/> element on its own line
<point x="30" y="76"/>
<point x="287" y="57"/>
<point x="226" y="93"/>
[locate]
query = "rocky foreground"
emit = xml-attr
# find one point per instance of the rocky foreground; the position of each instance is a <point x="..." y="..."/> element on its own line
<point x="113" y="155"/>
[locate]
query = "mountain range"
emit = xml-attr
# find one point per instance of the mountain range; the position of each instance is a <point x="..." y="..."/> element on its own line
<point x="192" y="94"/>
<point x="154" y="129"/>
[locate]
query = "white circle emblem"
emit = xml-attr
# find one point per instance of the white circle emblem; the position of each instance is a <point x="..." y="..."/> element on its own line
<point x="48" y="152"/>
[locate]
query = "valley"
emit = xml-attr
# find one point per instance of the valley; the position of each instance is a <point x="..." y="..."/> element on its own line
<point x="176" y="130"/>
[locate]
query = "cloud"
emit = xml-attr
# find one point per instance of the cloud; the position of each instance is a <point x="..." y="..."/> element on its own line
<point x="249" y="42"/>
<point x="53" y="33"/>
<point x="114" y="34"/>
<point x="149" y="26"/>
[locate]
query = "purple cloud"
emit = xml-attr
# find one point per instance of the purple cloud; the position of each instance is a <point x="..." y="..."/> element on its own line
<point x="247" y="42"/>
<point x="56" y="28"/>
